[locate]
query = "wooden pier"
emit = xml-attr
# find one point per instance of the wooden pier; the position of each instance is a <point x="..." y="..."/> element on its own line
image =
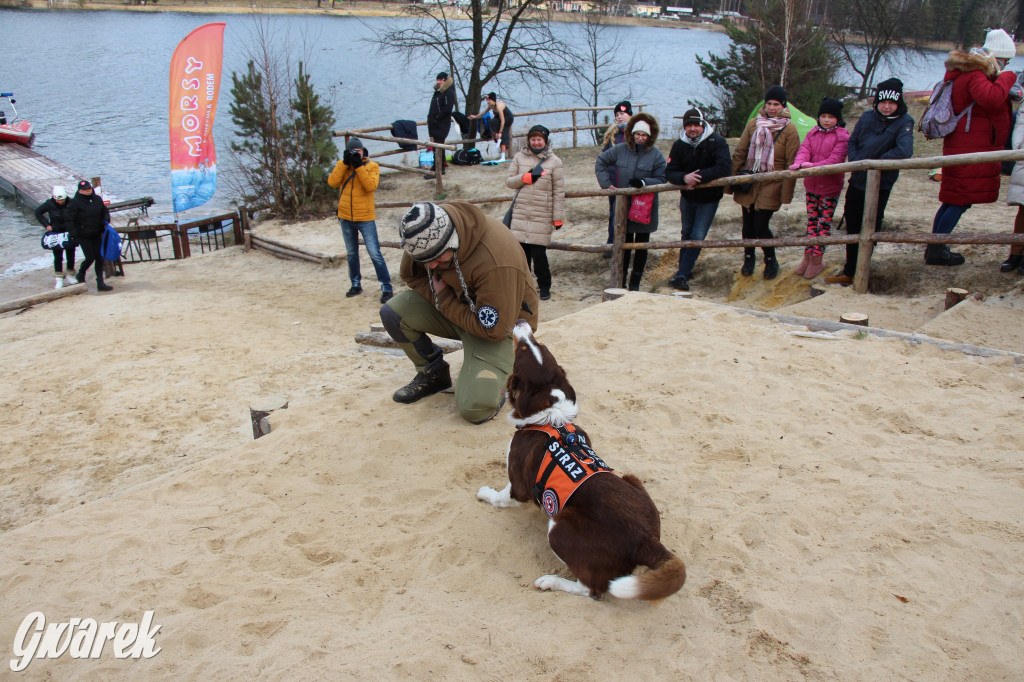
<point x="30" y="178"/>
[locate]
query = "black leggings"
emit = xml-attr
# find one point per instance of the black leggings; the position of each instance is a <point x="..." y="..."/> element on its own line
<point x="537" y="260"/>
<point x="755" y="226"/>
<point x="639" y="259"/>
<point x="853" y="214"/>
<point x="91" y="251"/>
<point x="58" y="259"/>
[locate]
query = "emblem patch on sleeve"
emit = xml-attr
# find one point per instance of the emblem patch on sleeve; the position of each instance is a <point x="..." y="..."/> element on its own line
<point x="488" y="316"/>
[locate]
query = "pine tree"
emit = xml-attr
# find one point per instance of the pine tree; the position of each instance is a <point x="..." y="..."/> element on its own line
<point x="314" y="151"/>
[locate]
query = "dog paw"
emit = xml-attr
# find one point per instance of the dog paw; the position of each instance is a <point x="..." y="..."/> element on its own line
<point x="497" y="498"/>
<point x="547" y="582"/>
<point x="487" y="494"/>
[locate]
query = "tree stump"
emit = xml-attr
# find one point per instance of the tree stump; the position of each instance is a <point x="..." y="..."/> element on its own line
<point x="859" y="319"/>
<point x="612" y="294"/>
<point x="260" y="409"/>
<point x="954" y="296"/>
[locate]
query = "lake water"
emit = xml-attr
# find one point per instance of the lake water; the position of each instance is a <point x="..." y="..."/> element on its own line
<point x="95" y="84"/>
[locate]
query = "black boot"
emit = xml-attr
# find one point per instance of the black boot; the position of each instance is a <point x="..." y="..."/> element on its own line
<point x="434" y="378"/>
<point x="100" y="286"/>
<point x="939" y="254"/>
<point x="1011" y="263"/>
<point x="771" y="267"/>
<point x="80" y="277"/>
<point x="749" y="261"/>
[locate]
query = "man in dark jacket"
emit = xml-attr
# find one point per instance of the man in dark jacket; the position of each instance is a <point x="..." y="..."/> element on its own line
<point x="442" y="105"/>
<point x="89" y="216"/>
<point x="884" y="132"/>
<point x="698" y="156"/>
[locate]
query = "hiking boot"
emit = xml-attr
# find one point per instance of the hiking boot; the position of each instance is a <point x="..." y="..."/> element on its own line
<point x="771" y="268"/>
<point x="944" y="258"/>
<point x="386" y="296"/>
<point x="748" y="265"/>
<point x="841" y="278"/>
<point x="354" y="291"/>
<point x="1011" y="263"/>
<point x="424" y="384"/>
<point x="679" y="283"/>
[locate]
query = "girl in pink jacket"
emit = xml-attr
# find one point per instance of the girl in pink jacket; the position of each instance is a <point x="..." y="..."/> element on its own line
<point x="824" y="145"/>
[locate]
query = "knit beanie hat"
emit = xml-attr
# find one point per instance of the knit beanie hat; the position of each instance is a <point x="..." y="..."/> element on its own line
<point x="443" y="76"/>
<point x="427" y="231"/>
<point x="641" y="127"/>
<point x="999" y="44"/>
<point x="832" y="106"/>
<point x="624" y="105"/>
<point x="354" y="143"/>
<point x="694" y="116"/>
<point x="777" y="93"/>
<point x="891" y="90"/>
<point x="59" y="192"/>
<point x="539" y="130"/>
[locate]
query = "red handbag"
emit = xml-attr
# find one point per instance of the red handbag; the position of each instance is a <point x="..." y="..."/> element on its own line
<point x="640" y="208"/>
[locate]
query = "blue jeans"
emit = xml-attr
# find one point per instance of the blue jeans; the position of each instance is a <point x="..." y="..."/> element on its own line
<point x="697" y="219"/>
<point x="351" y="230"/>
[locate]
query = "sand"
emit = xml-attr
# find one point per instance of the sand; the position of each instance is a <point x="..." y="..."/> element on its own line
<point x="848" y="506"/>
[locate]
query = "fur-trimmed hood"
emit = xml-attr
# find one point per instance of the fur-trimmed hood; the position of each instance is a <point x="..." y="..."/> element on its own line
<point x="649" y="120"/>
<point x="448" y="82"/>
<point x="965" y="62"/>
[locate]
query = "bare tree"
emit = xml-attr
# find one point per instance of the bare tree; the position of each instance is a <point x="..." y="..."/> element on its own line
<point x="601" y="63"/>
<point x="870" y="32"/>
<point x="479" y="44"/>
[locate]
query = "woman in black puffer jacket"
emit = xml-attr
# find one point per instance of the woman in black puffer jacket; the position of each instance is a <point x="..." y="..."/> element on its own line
<point x="89" y="216"/>
<point x="54" y="215"/>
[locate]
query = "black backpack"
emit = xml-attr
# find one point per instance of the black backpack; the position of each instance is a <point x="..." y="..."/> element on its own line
<point x="467" y="157"/>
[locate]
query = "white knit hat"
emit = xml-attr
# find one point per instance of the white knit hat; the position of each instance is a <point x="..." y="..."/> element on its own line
<point x="641" y="127"/>
<point x="59" y="192"/>
<point x="999" y="44"/>
<point x="427" y="231"/>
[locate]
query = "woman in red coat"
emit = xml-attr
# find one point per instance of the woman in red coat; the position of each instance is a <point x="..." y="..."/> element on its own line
<point x="976" y="79"/>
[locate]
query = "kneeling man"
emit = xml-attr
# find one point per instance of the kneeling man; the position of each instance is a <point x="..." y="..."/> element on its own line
<point x="468" y="280"/>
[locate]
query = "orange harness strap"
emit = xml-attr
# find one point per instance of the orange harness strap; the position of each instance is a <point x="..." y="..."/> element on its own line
<point x="568" y="461"/>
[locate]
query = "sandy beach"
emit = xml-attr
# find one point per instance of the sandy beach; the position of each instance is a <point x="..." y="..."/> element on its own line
<point x="848" y="506"/>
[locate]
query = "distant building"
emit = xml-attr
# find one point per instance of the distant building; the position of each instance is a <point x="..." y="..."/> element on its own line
<point x="647" y="9"/>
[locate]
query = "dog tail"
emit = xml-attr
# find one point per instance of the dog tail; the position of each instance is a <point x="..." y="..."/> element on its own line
<point x="666" y="578"/>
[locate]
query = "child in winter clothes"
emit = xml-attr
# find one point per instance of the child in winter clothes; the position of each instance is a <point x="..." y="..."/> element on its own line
<point x="824" y="145"/>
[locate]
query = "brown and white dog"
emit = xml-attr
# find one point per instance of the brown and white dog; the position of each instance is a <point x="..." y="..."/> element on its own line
<point x="609" y="525"/>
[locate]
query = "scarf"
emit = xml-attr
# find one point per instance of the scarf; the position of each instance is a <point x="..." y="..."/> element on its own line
<point x="761" y="155"/>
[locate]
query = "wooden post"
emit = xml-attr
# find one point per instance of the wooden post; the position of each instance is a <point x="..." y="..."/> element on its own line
<point x="574" y="129"/>
<point x="954" y="296"/>
<point x="859" y="319"/>
<point x="867" y="228"/>
<point x="260" y="409"/>
<point x="236" y="227"/>
<point x="621" y="211"/>
<point x="438" y="172"/>
<point x="612" y="293"/>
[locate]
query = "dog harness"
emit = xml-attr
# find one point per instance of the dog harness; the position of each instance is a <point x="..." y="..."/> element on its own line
<point x="568" y="461"/>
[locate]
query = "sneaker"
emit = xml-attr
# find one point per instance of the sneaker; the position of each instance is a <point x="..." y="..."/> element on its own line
<point x="545" y="294"/>
<point x="679" y="282"/>
<point x="841" y="278"/>
<point x="771" y="268"/>
<point x="748" y="266"/>
<point x="386" y="296"/>
<point x="423" y="385"/>
<point x="354" y="291"/>
<point x="945" y="258"/>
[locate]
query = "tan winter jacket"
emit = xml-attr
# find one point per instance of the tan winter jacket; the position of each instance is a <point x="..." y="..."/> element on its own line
<point x="540" y="203"/>
<point x="768" y="196"/>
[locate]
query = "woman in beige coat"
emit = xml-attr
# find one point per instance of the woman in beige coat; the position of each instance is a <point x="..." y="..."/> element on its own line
<point x="537" y="175"/>
<point x="769" y="142"/>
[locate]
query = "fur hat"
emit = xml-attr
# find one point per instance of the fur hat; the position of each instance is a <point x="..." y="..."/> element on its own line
<point x="777" y="93"/>
<point x="832" y="106"/>
<point x="426" y="232"/>
<point x="999" y="44"/>
<point x="641" y="127"/>
<point x="59" y="192"/>
<point x="624" y="105"/>
<point x="539" y="130"/>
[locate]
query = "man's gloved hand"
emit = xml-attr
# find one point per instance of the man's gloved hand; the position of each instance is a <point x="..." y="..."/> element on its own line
<point x="346" y="158"/>
<point x="636" y="182"/>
